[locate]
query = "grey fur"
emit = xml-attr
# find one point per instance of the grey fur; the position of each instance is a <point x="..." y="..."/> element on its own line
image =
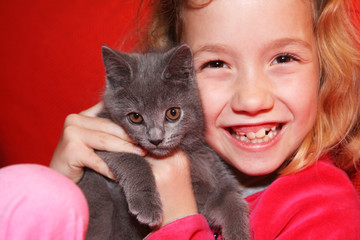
<point x="150" y="85"/>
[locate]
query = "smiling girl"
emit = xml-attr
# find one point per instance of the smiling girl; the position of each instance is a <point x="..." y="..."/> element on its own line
<point x="279" y="83"/>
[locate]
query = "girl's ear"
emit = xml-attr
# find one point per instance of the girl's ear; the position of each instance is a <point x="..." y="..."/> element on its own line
<point x="117" y="67"/>
<point x="180" y="64"/>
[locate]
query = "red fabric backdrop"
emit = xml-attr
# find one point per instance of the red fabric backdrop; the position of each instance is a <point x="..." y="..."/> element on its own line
<point x="50" y="66"/>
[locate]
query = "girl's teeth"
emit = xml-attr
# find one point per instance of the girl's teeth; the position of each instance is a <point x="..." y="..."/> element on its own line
<point x="271" y="134"/>
<point x="260" y="133"/>
<point x="251" y="135"/>
<point x="263" y="135"/>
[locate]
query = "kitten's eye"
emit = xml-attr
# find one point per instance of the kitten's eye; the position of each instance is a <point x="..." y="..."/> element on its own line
<point x="135" y="118"/>
<point x="284" y="58"/>
<point x="173" y="114"/>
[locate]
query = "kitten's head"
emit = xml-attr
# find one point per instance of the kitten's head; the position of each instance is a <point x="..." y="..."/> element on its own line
<point x="154" y="98"/>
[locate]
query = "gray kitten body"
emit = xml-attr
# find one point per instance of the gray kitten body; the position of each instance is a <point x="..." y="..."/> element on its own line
<point x="154" y="97"/>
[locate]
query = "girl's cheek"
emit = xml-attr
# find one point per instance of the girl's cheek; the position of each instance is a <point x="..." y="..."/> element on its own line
<point x="213" y="95"/>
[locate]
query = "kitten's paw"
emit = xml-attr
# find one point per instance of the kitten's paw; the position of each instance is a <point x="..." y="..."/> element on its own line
<point x="147" y="209"/>
<point x="236" y="227"/>
<point x="236" y="234"/>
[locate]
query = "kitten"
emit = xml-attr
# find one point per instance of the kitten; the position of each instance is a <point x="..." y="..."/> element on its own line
<point x="154" y="97"/>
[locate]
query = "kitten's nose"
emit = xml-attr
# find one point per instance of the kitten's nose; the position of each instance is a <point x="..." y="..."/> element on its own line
<point x="156" y="142"/>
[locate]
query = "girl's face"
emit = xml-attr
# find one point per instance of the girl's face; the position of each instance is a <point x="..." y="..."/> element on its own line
<point x="258" y="74"/>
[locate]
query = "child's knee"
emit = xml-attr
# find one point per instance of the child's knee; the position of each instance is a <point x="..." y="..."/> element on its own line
<point x="37" y="200"/>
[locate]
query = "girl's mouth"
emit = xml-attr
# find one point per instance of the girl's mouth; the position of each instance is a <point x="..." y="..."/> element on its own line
<point x="261" y="135"/>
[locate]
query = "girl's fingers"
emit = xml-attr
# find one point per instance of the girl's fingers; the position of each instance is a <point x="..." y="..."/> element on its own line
<point x="100" y="140"/>
<point x="94" y="110"/>
<point x="88" y="119"/>
<point x="76" y="151"/>
<point x="92" y="161"/>
<point x="96" y="124"/>
<point x="100" y="166"/>
<point x="82" y="134"/>
<point x="70" y="160"/>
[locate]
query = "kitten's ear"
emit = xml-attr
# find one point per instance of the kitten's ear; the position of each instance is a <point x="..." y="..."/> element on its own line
<point x="117" y="67"/>
<point x="180" y="65"/>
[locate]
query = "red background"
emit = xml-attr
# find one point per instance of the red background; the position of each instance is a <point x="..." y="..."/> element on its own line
<point x="50" y="66"/>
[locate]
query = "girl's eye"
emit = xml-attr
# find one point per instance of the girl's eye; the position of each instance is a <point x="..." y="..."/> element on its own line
<point x="135" y="118"/>
<point x="173" y="114"/>
<point x="215" y="64"/>
<point x="284" y="58"/>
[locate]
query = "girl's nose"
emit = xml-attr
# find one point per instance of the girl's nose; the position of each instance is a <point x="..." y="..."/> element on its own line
<point x="252" y="96"/>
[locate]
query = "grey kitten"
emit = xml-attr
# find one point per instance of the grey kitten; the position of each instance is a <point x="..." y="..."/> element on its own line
<point x="154" y="97"/>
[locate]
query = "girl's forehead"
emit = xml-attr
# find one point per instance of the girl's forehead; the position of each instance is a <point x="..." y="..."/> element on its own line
<point x="250" y="12"/>
<point x="202" y="6"/>
<point x="249" y="20"/>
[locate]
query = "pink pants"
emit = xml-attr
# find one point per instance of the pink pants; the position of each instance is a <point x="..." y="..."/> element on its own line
<point x="38" y="203"/>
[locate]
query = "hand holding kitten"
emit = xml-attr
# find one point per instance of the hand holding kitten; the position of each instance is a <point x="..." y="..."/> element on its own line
<point x="84" y="132"/>
<point x="173" y="181"/>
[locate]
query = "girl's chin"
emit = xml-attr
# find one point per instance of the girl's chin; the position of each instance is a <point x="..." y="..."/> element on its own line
<point x="263" y="160"/>
<point x="255" y="168"/>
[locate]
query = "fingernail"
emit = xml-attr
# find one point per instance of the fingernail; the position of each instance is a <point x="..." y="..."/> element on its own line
<point x="111" y="175"/>
<point x="139" y="150"/>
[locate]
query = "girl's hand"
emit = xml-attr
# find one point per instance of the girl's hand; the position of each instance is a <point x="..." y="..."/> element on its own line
<point x="173" y="180"/>
<point x="83" y="133"/>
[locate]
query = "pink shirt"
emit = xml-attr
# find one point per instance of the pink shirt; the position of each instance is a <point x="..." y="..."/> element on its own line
<point x="317" y="203"/>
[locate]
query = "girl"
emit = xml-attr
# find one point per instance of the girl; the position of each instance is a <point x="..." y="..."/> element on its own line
<point x="279" y="82"/>
<point x="280" y="90"/>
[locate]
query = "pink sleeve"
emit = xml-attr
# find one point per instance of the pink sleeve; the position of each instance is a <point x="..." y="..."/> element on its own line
<point x="38" y="203"/>
<point x="194" y="227"/>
